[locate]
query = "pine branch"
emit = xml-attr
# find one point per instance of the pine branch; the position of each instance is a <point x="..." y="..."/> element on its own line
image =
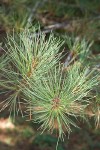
<point x="29" y="59"/>
<point x="31" y="73"/>
<point x="67" y="24"/>
<point x="33" y="11"/>
<point x="59" y="97"/>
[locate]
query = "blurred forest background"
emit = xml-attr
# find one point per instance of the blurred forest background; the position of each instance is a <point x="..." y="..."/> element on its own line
<point x="79" y="18"/>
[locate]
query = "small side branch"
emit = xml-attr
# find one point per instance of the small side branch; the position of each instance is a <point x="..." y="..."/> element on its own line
<point x="33" y="11"/>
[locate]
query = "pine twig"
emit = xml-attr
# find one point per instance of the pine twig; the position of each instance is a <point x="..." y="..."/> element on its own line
<point x="33" y="11"/>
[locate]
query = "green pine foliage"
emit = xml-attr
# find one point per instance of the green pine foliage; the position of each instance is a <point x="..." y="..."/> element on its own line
<point x="55" y="95"/>
<point x="61" y="96"/>
<point x="30" y="57"/>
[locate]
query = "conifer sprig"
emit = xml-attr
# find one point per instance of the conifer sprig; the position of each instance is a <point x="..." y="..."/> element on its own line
<point x="79" y="49"/>
<point x="60" y="97"/>
<point x="30" y="57"/>
<point x="56" y="94"/>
